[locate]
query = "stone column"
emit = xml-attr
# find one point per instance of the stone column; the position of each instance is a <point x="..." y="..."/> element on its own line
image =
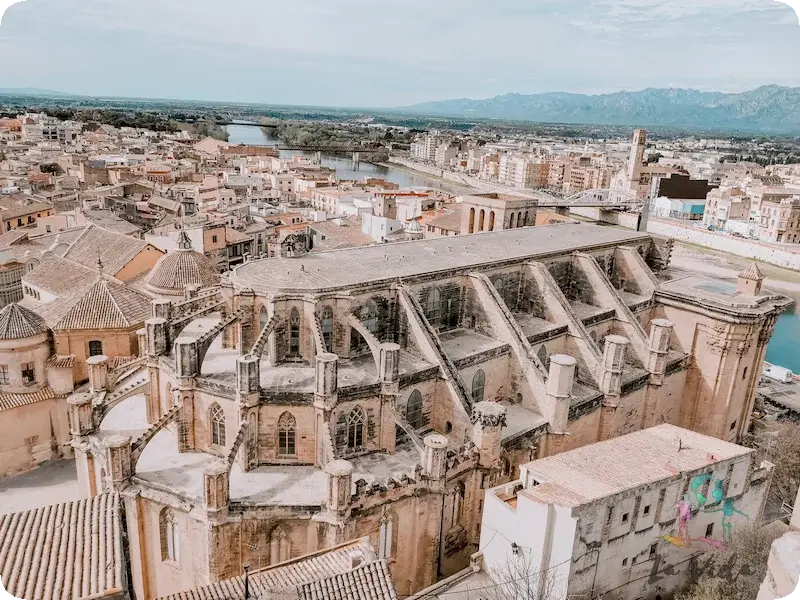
<point x="216" y="487"/>
<point x="162" y="309"/>
<point x="190" y="291"/>
<point x="186" y="359"/>
<point x="98" y="373"/>
<point x="81" y="414"/>
<point x="488" y="420"/>
<point x="186" y="438"/>
<point x="141" y="337"/>
<point x="340" y="487"/>
<point x="389" y="376"/>
<point x="613" y="364"/>
<point x="248" y="324"/>
<point x="434" y="465"/>
<point x="118" y="458"/>
<point x="559" y="390"/>
<point x="153" y="396"/>
<point x="658" y="349"/>
<point x="327" y="370"/>
<point x="157" y="344"/>
<point x="248" y="375"/>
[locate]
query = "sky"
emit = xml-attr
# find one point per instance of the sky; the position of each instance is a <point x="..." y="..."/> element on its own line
<point x="385" y="53"/>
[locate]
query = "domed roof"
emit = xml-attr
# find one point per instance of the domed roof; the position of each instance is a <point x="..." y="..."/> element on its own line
<point x="17" y="322"/>
<point x="184" y="266"/>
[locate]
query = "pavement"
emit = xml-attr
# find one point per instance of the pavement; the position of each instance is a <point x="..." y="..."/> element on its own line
<point x="51" y="483"/>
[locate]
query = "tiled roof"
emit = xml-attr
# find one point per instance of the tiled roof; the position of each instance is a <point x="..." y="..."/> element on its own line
<point x="108" y="304"/>
<point x="19" y="205"/>
<point x="180" y="268"/>
<point x="61" y="362"/>
<point x="108" y="220"/>
<point x="64" y="551"/>
<point x="286" y="576"/>
<point x="17" y="322"/>
<point x="450" y="220"/>
<point x="9" y="401"/>
<point x="116" y="249"/>
<point x="370" y="581"/>
<point x="752" y="272"/>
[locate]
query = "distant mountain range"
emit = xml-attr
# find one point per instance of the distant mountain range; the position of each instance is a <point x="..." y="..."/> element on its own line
<point x="767" y="109"/>
<point x="33" y="92"/>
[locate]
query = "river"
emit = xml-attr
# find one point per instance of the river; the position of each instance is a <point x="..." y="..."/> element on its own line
<point x="256" y="136"/>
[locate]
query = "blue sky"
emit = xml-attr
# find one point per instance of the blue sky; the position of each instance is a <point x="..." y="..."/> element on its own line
<point x="393" y="53"/>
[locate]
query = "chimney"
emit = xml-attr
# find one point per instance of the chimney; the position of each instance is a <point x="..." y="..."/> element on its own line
<point x="356" y="559"/>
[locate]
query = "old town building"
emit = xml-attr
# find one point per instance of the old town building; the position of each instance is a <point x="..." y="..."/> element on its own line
<point x="379" y="391"/>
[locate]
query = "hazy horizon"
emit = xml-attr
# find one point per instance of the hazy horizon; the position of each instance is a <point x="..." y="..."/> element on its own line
<point x="358" y="54"/>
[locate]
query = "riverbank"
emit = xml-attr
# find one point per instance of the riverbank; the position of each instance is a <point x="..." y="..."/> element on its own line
<point x="457" y="188"/>
<point x="706" y="261"/>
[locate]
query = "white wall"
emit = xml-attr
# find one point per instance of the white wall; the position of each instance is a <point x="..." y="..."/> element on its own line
<point x="783" y="255"/>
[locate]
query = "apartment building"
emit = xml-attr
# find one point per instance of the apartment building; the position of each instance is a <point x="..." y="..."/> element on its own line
<point x="621" y="518"/>
<point x="522" y="171"/>
<point x="780" y="220"/>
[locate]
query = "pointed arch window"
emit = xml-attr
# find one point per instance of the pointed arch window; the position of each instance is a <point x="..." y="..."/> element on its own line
<point x="170" y="539"/>
<point x="327" y="328"/>
<point x="217" y="421"/>
<point x="458" y="503"/>
<point x="279" y="547"/>
<point x="355" y="428"/>
<point x="287" y="435"/>
<point x="369" y="316"/>
<point x="263" y="318"/>
<point x="433" y="307"/>
<point x="542" y="354"/>
<point x="414" y="410"/>
<point x="478" y="386"/>
<point x="294" y="332"/>
<point x="386" y="536"/>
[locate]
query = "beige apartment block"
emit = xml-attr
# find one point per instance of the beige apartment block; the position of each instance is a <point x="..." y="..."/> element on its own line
<point x="780" y="220"/>
<point x="378" y="391"/>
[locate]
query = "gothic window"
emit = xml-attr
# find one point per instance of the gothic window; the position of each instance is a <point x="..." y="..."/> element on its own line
<point x="279" y="548"/>
<point x="170" y="542"/>
<point x="217" y="421"/>
<point x="414" y="410"/>
<point x="287" y="435"/>
<point x="355" y="428"/>
<point x="327" y="328"/>
<point x="542" y="354"/>
<point x="386" y="536"/>
<point x="294" y="332"/>
<point x="478" y="385"/>
<point x="263" y="318"/>
<point x="458" y="503"/>
<point x="369" y="316"/>
<point x="434" y="308"/>
<point x="95" y="348"/>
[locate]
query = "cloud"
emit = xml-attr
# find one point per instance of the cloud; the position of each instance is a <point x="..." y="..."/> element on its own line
<point x="4" y="4"/>
<point x="367" y="53"/>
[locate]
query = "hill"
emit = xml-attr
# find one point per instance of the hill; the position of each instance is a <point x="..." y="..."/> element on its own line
<point x="767" y="109"/>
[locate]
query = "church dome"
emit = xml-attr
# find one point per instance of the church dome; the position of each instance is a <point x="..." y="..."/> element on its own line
<point x="18" y="322"/>
<point x="175" y="270"/>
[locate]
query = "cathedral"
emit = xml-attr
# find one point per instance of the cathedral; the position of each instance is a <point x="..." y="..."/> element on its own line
<point x="308" y="400"/>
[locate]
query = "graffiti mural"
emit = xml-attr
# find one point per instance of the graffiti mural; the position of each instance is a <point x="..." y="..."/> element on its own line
<point x="694" y="501"/>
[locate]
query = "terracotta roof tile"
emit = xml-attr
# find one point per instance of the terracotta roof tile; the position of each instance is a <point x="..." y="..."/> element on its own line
<point x="370" y="581"/>
<point x="72" y="550"/>
<point x="286" y="576"/>
<point x="116" y="249"/>
<point x="9" y="401"/>
<point x="17" y="322"/>
<point x="107" y="305"/>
